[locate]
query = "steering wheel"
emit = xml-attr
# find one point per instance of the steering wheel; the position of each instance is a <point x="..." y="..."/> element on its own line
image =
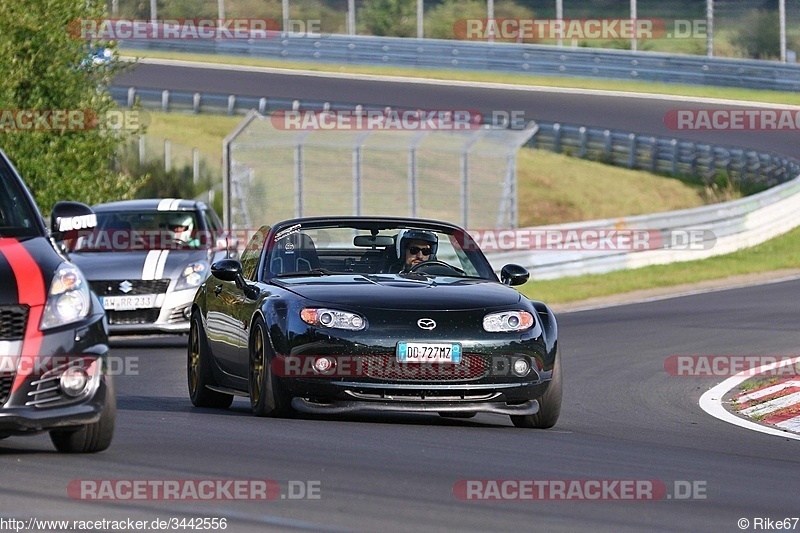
<point x="435" y="262"/>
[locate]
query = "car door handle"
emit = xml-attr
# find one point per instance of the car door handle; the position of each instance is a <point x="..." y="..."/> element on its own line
<point x="217" y="289"/>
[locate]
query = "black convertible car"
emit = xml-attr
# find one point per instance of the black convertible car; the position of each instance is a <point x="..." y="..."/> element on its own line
<point x="338" y="315"/>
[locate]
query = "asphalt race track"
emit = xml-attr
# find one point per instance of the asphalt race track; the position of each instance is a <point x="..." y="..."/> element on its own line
<point x="640" y="115"/>
<point x="624" y="418"/>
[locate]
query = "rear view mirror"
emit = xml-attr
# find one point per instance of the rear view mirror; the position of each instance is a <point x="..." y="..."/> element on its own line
<point x="69" y="219"/>
<point x="373" y="241"/>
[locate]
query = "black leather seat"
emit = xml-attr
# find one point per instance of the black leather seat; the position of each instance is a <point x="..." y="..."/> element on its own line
<point x="294" y="253"/>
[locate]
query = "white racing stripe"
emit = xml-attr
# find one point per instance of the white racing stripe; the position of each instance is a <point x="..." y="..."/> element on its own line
<point x="162" y="261"/>
<point x="151" y="264"/>
<point x="166" y="204"/>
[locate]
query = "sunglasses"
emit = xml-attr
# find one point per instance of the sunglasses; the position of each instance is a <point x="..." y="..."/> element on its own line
<point x="414" y="250"/>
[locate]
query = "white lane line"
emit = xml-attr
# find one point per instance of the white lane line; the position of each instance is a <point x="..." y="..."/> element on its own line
<point x="405" y="80"/>
<point x="768" y="391"/>
<point x="773" y="405"/>
<point x="711" y="402"/>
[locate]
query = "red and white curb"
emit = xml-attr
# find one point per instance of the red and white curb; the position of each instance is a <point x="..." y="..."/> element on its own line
<point x="776" y="406"/>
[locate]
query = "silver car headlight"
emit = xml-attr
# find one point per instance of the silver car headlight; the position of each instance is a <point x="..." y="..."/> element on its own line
<point x="68" y="299"/>
<point x="505" y="321"/>
<point x="192" y="276"/>
<point x="333" y="318"/>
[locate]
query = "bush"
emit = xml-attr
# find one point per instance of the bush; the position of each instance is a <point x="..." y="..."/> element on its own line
<point x="760" y="36"/>
<point x="440" y="20"/>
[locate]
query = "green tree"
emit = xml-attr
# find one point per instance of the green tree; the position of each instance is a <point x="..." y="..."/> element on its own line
<point x="389" y="18"/>
<point x="45" y="66"/>
<point x="760" y="36"/>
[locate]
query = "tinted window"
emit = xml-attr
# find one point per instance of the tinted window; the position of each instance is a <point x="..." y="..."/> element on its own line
<point x="143" y="230"/>
<point x="17" y="216"/>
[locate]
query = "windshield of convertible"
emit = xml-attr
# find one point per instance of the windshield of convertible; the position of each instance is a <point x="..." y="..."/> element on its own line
<point x="130" y="231"/>
<point x="315" y="249"/>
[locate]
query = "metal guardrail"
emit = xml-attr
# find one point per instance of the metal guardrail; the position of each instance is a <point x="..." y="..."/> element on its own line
<point x="498" y="57"/>
<point x="704" y="232"/>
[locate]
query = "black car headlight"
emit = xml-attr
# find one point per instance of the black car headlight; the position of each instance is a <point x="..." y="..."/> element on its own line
<point x="333" y="318"/>
<point x="505" y="321"/>
<point x="192" y="276"/>
<point x="68" y="299"/>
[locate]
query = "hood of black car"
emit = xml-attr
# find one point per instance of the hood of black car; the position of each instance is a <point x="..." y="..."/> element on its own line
<point x="398" y="292"/>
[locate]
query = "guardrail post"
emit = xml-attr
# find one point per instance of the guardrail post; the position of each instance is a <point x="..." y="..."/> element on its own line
<point x="584" y="140"/>
<point x="142" y="147"/>
<point x="632" y="151"/>
<point x="607" y="152"/>
<point x="196" y="103"/>
<point x="167" y="156"/>
<point x="262" y="105"/>
<point x="165" y="100"/>
<point x="675" y="156"/>
<point x="653" y="155"/>
<point x="557" y="138"/>
<point x="131" y="96"/>
<point x="231" y="104"/>
<point x="195" y="166"/>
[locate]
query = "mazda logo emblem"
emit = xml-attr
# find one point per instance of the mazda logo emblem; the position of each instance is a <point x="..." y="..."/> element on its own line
<point x="426" y="323"/>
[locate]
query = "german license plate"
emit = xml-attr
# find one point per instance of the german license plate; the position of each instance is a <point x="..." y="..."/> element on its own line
<point x="125" y="303"/>
<point x="428" y="352"/>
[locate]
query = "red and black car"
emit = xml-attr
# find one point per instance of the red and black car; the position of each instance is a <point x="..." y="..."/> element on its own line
<point x="53" y="335"/>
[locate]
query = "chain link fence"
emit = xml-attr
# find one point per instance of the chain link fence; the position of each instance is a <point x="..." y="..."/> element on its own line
<point x="468" y="177"/>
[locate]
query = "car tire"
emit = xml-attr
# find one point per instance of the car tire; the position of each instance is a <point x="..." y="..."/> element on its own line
<point x="94" y="437"/>
<point x="198" y="370"/>
<point x="267" y="395"/>
<point x="549" y="404"/>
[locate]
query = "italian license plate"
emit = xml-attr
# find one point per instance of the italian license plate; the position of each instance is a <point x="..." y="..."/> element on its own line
<point x="428" y="352"/>
<point x="125" y="303"/>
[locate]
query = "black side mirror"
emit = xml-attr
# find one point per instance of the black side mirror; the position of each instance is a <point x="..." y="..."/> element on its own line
<point x="231" y="270"/>
<point x="69" y="219"/>
<point x="227" y="270"/>
<point x="512" y="274"/>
